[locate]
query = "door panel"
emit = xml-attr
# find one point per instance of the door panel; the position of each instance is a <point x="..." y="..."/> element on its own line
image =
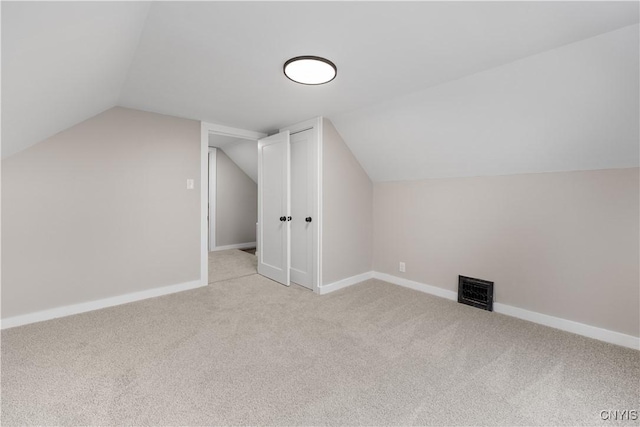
<point x="302" y="204"/>
<point x="273" y="205"/>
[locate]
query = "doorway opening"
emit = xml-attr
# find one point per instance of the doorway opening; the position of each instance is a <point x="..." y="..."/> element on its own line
<point x="231" y="200"/>
<point x="288" y="211"/>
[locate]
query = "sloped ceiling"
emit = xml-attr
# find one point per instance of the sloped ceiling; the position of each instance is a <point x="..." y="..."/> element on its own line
<point x="63" y="62"/>
<point x="242" y="152"/>
<point x="222" y="62"/>
<point x="571" y="108"/>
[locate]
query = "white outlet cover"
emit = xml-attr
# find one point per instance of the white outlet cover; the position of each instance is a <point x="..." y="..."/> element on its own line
<point x="190" y="184"/>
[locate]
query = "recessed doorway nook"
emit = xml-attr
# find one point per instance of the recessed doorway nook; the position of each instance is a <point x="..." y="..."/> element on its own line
<point x="227" y="136"/>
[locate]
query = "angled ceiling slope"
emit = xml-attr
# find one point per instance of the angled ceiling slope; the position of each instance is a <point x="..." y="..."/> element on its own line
<point x="398" y="64"/>
<point x="63" y="62"/>
<point x="571" y="108"/>
<point x="242" y="152"/>
<point x="222" y="62"/>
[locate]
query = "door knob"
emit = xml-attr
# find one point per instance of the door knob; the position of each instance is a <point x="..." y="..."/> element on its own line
<point x="308" y="219"/>
<point x="282" y="218"/>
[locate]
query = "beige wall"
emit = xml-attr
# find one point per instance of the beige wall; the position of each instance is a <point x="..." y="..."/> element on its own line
<point x="236" y="203"/>
<point x="100" y="210"/>
<point x="347" y="220"/>
<point x="563" y="244"/>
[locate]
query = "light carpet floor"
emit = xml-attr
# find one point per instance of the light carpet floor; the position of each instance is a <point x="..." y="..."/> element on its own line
<point x="233" y="263"/>
<point x="230" y="264"/>
<point x="248" y="351"/>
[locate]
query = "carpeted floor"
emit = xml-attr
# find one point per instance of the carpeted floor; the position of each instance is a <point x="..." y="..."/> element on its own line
<point x="250" y="351"/>
<point x="224" y="265"/>
<point x="249" y="250"/>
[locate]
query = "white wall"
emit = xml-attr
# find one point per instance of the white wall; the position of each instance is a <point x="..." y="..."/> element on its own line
<point x="562" y="244"/>
<point x="347" y="219"/>
<point x="236" y="203"/>
<point x="100" y="210"/>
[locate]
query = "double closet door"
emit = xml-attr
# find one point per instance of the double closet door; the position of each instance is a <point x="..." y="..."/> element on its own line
<point x="287" y="206"/>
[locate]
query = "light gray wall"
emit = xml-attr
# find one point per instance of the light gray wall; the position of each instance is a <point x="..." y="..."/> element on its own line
<point x="241" y="151"/>
<point x="563" y="244"/>
<point x="99" y="210"/>
<point x="236" y="203"/>
<point x="347" y="219"/>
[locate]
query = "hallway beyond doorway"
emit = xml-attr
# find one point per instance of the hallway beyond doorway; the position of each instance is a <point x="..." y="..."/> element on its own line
<point x="231" y="264"/>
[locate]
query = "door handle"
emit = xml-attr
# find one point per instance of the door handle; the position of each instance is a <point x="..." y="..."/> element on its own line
<point x="308" y="219"/>
<point x="288" y="218"/>
<point x="282" y="218"/>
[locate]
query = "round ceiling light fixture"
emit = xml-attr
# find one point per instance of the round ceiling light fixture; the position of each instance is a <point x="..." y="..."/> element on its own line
<point x="310" y="70"/>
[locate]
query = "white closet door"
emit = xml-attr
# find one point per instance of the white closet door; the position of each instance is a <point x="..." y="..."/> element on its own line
<point x="302" y="208"/>
<point x="273" y="207"/>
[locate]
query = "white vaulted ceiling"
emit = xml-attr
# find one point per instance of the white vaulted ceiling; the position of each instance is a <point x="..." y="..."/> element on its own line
<point x="571" y="108"/>
<point x="424" y="89"/>
<point x="63" y="62"/>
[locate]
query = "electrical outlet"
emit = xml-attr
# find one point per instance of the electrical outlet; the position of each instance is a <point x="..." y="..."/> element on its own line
<point x="190" y="184"/>
<point x="402" y="267"/>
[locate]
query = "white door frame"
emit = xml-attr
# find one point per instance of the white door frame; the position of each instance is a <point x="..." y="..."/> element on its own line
<point x="213" y="156"/>
<point x="205" y="130"/>
<point x="316" y="125"/>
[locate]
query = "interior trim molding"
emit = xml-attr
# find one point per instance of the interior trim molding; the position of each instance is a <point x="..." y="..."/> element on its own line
<point x="589" y="331"/>
<point x="235" y="246"/>
<point x="331" y="287"/>
<point x="212" y="209"/>
<point x="69" y="310"/>
<point x="406" y="283"/>
<point x="204" y="202"/>
<point x="206" y="129"/>
<point x="577" y="328"/>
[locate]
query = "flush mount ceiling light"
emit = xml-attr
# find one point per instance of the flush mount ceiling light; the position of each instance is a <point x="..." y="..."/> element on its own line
<point x="310" y="70"/>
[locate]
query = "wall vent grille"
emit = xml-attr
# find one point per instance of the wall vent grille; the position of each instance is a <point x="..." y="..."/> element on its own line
<point x="475" y="292"/>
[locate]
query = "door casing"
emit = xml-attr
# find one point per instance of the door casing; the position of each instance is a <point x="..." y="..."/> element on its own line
<point x="206" y="129"/>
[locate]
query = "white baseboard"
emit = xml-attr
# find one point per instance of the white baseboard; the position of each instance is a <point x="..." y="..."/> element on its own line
<point x="542" y="319"/>
<point x="331" y="287"/>
<point x="433" y="290"/>
<point x="236" y="246"/>
<point x="68" y="310"/>
<point x="569" y="326"/>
